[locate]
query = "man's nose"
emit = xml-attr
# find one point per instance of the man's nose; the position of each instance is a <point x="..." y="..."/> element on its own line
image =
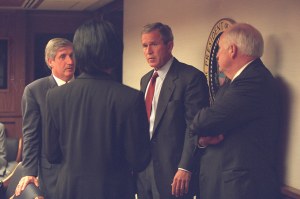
<point x="149" y="50"/>
<point x="70" y="59"/>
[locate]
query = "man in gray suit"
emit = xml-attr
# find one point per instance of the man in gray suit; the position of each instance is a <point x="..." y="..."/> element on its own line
<point x="246" y="112"/>
<point x="180" y="90"/>
<point x="59" y="58"/>
<point x="3" y="161"/>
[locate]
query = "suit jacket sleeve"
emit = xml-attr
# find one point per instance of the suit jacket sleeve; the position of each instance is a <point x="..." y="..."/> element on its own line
<point x="237" y="106"/>
<point x="196" y="97"/>
<point x="31" y="130"/>
<point x="3" y="162"/>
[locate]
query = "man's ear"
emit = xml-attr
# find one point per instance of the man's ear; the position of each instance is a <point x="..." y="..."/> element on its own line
<point x="49" y="62"/>
<point x="170" y="46"/>
<point x="233" y="50"/>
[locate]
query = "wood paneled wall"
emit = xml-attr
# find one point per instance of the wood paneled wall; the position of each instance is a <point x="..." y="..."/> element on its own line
<point x="12" y="28"/>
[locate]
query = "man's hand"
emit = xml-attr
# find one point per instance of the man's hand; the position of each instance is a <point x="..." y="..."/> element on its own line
<point x="24" y="182"/>
<point x="180" y="184"/>
<point x="209" y="140"/>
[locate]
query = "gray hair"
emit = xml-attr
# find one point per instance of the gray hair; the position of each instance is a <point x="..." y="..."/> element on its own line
<point x="164" y="30"/>
<point x="53" y="46"/>
<point x="248" y="39"/>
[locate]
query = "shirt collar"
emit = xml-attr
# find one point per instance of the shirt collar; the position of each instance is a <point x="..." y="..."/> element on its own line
<point x="241" y="70"/>
<point x="61" y="82"/>
<point x="162" y="71"/>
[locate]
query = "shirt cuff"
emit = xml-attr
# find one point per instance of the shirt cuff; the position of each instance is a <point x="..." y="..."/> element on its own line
<point x="201" y="147"/>
<point x="184" y="170"/>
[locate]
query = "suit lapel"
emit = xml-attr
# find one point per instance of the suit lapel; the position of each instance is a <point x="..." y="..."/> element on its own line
<point x="222" y="89"/>
<point x="145" y="81"/>
<point x="166" y="92"/>
<point x="51" y="82"/>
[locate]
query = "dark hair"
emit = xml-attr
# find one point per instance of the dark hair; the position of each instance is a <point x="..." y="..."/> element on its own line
<point x="97" y="47"/>
<point x="164" y="30"/>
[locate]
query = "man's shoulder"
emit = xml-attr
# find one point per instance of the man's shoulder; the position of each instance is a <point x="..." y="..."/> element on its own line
<point x="38" y="87"/>
<point x="147" y="75"/>
<point x="39" y="82"/>
<point x="184" y="69"/>
<point x="126" y="89"/>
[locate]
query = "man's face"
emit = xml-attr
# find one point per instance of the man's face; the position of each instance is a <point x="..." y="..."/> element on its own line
<point x="156" y="52"/>
<point x="63" y="65"/>
<point x="223" y="56"/>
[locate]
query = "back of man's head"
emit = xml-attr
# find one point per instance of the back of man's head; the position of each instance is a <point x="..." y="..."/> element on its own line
<point x="97" y="47"/>
<point x="247" y="38"/>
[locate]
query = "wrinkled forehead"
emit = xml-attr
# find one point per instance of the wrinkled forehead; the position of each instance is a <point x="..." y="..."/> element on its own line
<point x="64" y="50"/>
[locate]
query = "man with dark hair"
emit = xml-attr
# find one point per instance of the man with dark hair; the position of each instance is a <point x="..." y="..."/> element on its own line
<point x="246" y="113"/>
<point x="96" y="127"/>
<point x="36" y="168"/>
<point x="178" y="91"/>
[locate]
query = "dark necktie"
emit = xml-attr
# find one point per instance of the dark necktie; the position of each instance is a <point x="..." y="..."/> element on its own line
<point x="150" y="94"/>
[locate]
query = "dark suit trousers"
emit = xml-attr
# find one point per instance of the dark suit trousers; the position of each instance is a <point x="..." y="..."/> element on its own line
<point x="146" y="186"/>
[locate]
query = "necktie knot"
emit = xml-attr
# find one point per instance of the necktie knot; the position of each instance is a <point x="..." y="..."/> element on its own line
<point x="154" y="76"/>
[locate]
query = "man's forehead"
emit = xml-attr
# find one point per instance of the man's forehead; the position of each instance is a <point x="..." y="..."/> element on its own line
<point x="146" y="39"/>
<point x="64" y="50"/>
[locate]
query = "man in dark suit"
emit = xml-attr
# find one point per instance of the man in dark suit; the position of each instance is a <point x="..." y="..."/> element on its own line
<point x="180" y="90"/>
<point x="245" y="112"/>
<point x="97" y="128"/>
<point x="59" y="58"/>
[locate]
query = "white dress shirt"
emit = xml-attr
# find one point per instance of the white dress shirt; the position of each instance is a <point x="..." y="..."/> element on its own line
<point x="162" y="72"/>
<point x="61" y="82"/>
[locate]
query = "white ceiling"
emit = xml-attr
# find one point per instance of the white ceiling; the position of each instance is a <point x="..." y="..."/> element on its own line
<point x="63" y="5"/>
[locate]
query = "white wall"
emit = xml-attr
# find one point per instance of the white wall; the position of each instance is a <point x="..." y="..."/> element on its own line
<point x="192" y="21"/>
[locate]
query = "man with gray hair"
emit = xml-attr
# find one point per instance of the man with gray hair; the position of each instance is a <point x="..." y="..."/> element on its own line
<point x="59" y="58"/>
<point x="246" y="113"/>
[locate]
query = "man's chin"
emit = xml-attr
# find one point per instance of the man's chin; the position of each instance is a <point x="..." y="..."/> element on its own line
<point x="69" y="76"/>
